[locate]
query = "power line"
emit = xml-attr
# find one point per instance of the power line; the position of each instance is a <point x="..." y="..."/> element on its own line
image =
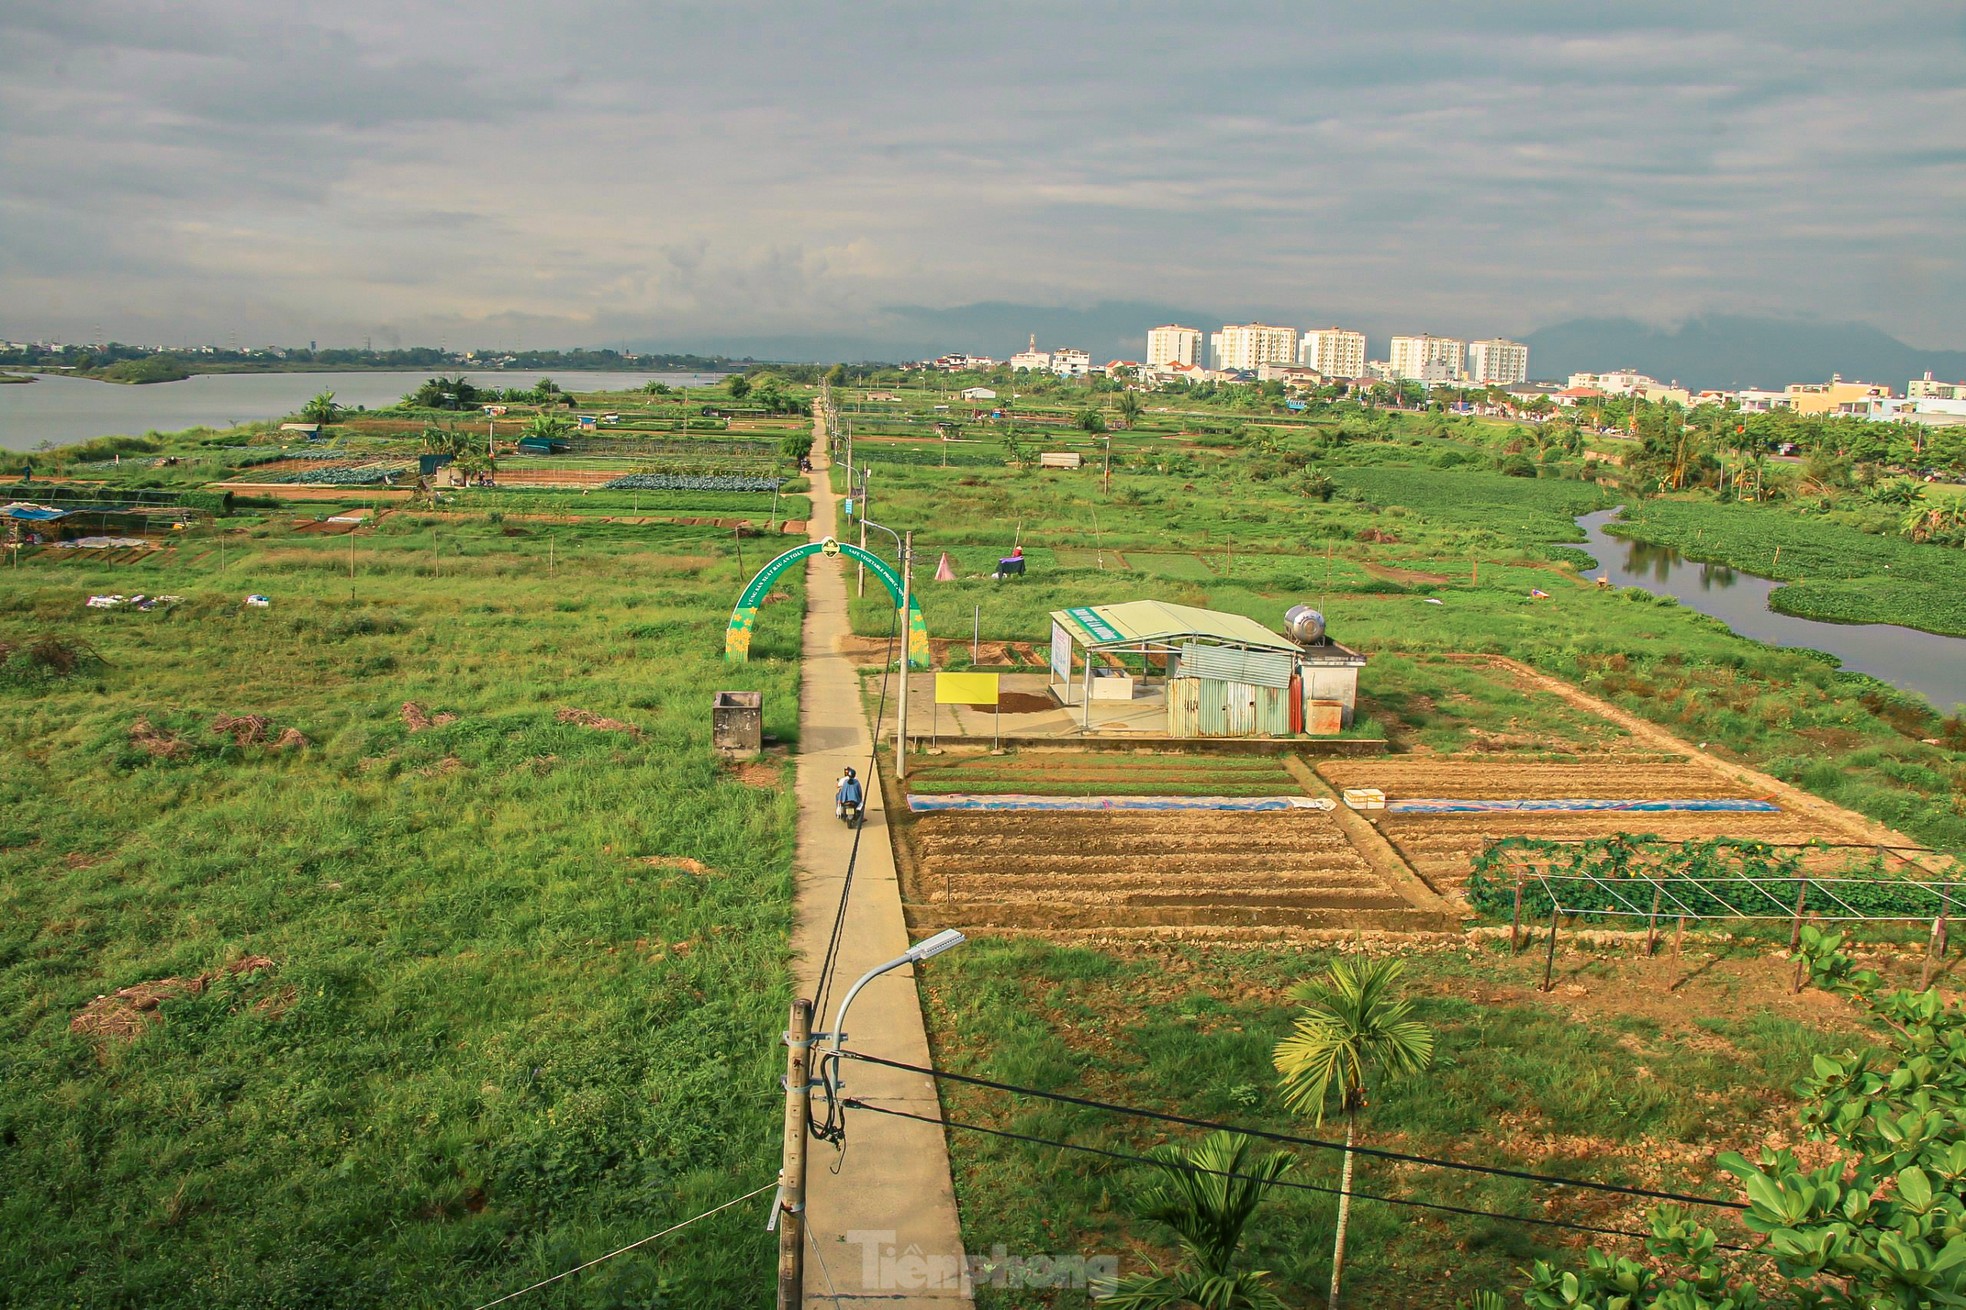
<point x="822" y="986"/>
<point x="1499" y="1171"/>
<point x="624" y="1250"/>
<point x="1133" y="1158"/>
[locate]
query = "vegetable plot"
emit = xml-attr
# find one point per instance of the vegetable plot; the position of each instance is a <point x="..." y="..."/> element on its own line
<point x="1616" y="876"/>
<point x="691" y="482"/>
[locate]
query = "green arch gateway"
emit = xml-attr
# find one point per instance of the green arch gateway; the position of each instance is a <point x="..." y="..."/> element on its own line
<point x="737" y="638"/>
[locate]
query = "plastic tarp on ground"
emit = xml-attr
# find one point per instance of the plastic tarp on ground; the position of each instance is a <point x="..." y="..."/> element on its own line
<point x="1577" y="806"/>
<point x="1080" y="804"/>
<point x="31" y="513"/>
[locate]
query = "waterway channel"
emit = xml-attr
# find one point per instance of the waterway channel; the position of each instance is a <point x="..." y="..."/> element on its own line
<point x="1922" y="662"/>
<point x="61" y="409"/>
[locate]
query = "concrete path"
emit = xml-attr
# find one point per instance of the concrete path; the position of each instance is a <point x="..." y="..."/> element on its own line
<point x="884" y="1226"/>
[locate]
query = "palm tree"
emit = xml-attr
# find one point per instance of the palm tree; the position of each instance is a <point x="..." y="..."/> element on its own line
<point x="1206" y="1194"/>
<point x="1129" y="407"/>
<point x="1354" y="1023"/>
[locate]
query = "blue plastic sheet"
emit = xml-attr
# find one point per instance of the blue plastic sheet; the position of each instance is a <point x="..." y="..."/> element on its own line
<point x="1577" y="806"/>
<point x="1080" y="804"/>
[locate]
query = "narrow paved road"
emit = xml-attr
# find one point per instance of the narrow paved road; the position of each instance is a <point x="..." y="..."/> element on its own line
<point x="884" y="1226"/>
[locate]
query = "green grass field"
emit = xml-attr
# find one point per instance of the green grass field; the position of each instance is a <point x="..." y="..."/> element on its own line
<point x="1621" y="1077"/>
<point x="511" y="985"/>
<point x="1476" y="543"/>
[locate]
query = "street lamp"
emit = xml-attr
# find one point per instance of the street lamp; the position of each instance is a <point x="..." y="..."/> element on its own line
<point x="790" y="1202"/>
<point x="925" y="949"/>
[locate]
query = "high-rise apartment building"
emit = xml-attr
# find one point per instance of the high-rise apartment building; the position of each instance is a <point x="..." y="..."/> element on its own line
<point x="1173" y="344"/>
<point x="1429" y="360"/>
<point x="1497" y="362"/>
<point x="1334" y="352"/>
<point x="1245" y="345"/>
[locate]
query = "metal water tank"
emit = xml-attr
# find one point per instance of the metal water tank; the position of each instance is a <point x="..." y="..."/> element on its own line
<point x="1304" y="625"/>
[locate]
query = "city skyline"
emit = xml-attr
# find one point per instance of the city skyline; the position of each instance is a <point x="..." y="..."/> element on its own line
<point x="746" y="174"/>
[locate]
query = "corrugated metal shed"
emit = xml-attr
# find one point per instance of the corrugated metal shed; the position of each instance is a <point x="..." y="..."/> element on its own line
<point x="1259" y="668"/>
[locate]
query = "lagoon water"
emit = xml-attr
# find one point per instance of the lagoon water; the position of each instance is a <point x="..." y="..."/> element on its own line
<point x="1923" y="662"/>
<point x="64" y="409"/>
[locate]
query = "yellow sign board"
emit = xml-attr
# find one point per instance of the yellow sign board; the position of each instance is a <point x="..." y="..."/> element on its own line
<point x="966" y="688"/>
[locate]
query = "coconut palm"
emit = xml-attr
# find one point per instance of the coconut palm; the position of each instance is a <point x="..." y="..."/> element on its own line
<point x="1206" y="1193"/>
<point x="1354" y="1025"/>
<point x="1129" y="407"/>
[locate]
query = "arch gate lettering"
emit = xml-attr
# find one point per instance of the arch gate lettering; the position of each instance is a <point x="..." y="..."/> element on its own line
<point x="737" y="638"/>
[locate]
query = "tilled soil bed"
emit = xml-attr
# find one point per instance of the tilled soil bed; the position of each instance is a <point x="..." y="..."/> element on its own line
<point x="1131" y="869"/>
<point x="1499" y="780"/>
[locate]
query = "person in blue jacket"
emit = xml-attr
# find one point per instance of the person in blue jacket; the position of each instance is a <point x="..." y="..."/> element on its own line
<point x="847" y="794"/>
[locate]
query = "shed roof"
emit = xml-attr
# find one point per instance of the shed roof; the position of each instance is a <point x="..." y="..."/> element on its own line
<point x="1135" y="621"/>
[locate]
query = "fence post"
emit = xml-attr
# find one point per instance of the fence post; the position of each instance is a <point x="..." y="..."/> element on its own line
<point x="1652" y="924"/>
<point x="1795" y="928"/>
<point x="1937" y="944"/>
<point x="1549" y="960"/>
<point x="1515" y="920"/>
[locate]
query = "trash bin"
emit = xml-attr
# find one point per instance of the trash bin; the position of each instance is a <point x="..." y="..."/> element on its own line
<point x="737" y="722"/>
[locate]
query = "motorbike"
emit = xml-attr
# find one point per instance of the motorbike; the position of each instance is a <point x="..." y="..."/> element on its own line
<point x="849" y="814"/>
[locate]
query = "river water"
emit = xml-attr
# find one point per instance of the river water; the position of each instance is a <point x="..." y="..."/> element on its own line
<point x="65" y="409"/>
<point x="1923" y="662"/>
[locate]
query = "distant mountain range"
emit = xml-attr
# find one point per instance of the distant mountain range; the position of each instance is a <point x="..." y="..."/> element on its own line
<point x="1725" y="351"/>
<point x="1715" y="350"/>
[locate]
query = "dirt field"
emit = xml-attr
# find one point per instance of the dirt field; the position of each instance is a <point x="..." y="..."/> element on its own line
<point x="1097" y="870"/>
<point x="1133" y="873"/>
<point x="1478" y="778"/>
<point x="1439" y="847"/>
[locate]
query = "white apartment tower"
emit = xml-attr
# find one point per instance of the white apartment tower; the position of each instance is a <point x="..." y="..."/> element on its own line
<point x="1173" y="344"/>
<point x="1498" y="362"/>
<point x="1246" y="345"/>
<point x="1334" y="352"/>
<point x="1428" y="359"/>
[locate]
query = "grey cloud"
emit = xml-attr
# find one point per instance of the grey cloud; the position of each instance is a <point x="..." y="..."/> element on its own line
<point x="756" y="168"/>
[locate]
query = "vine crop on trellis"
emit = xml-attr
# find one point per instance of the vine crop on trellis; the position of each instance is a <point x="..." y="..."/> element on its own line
<point x="1720" y="877"/>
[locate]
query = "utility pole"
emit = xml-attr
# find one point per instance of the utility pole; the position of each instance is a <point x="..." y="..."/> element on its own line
<point x="907" y="633"/>
<point x="791" y="1213"/>
<point x="860" y="581"/>
<point x="1106" y="478"/>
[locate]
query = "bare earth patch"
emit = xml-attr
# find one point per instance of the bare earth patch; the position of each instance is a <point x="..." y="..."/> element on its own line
<point x="417" y="718"/>
<point x="124" y="1014"/>
<point x="589" y="719"/>
<point x="683" y="862"/>
<point x="152" y="740"/>
<point x="755" y="773"/>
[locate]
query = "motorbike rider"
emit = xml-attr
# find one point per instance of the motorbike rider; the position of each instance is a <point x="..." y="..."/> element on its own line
<point x="846" y="794"/>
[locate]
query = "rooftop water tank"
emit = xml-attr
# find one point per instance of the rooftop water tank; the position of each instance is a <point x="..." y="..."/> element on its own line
<point x="1304" y="625"/>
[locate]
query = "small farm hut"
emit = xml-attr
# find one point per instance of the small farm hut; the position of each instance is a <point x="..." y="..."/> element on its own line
<point x="1218" y="675"/>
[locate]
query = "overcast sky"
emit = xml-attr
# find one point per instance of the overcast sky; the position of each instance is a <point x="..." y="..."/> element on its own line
<point x="589" y="173"/>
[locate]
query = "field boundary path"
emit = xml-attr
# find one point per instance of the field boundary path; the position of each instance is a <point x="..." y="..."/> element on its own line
<point x="884" y="1227"/>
